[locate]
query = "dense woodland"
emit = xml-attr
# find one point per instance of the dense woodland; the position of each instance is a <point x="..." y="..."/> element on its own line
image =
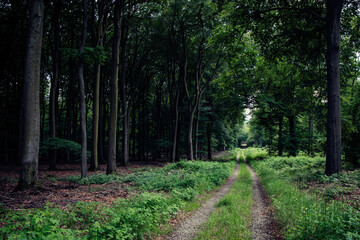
<point x="121" y="81"/>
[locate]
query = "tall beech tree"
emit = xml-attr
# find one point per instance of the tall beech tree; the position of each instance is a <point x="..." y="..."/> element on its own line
<point x="82" y="93"/>
<point x="111" y="163"/>
<point x="30" y="100"/>
<point x="125" y="108"/>
<point x="96" y="100"/>
<point x="54" y="80"/>
<point x="333" y="127"/>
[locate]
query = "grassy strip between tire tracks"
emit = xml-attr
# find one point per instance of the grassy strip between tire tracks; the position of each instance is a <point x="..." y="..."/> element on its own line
<point x="306" y="216"/>
<point x="232" y="219"/>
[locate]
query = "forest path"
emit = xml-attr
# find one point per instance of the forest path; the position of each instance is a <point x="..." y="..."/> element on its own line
<point x="261" y="217"/>
<point x="189" y="228"/>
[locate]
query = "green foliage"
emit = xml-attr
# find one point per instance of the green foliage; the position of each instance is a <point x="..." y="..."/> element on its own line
<point x="59" y="143"/>
<point x="91" y="55"/>
<point x="100" y="178"/>
<point x="132" y="218"/>
<point x="306" y="216"/>
<point x="183" y="175"/>
<point x="304" y="170"/>
<point x="255" y="153"/>
<point x="298" y="169"/>
<point x="43" y="223"/>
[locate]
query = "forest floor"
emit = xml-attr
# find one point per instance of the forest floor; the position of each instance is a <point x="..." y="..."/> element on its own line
<point x="186" y="225"/>
<point x="62" y="193"/>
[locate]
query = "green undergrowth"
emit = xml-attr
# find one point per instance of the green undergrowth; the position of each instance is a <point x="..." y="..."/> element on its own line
<point x="304" y="215"/>
<point x="255" y="153"/>
<point x="161" y="194"/>
<point x="232" y="218"/>
<point x="187" y="177"/>
<point x="307" y="171"/>
<point x="100" y="178"/>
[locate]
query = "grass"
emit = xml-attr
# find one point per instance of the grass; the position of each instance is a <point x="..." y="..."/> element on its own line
<point x="304" y="215"/>
<point x="232" y="218"/>
<point x="160" y="194"/>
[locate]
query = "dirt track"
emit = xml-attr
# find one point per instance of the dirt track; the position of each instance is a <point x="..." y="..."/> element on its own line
<point x="191" y="226"/>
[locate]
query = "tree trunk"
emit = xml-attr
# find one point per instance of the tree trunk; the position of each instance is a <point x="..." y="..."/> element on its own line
<point x="293" y="144"/>
<point x="311" y="135"/>
<point x="54" y="82"/>
<point x="42" y="109"/>
<point x="30" y="101"/>
<point x="101" y="122"/>
<point x="197" y="132"/>
<point x="111" y="165"/>
<point x="191" y="111"/>
<point x="280" y="141"/>
<point x="133" y="132"/>
<point x="94" y="163"/>
<point x="209" y="140"/>
<point x="82" y="96"/>
<point x="124" y="104"/>
<point x="95" y="131"/>
<point x="174" y="147"/>
<point x="69" y="106"/>
<point x="333" y="127"/>
<point x="125" y="140"/>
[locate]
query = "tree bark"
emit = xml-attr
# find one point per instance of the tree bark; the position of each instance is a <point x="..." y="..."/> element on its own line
<point x="124" y="103"/>
<point x="280" y="141"/>
<point x="333" y="127"/>
<point x="133" y="132"/>
<point x="30" y="100"/>
<point x="94" y="164"/>
<point x="101" y="126"/>
<point x="311" y="135"/>
<point x="196" y="150"/>
<point x="209" y="140"/>
<point x="191" y="111"/>
<point x="54" y="82"/>
<point x="82" y="95"/>
<point x="176" y="125"/>
<point x="111" y="165"/>
<point x="293" y="143"/>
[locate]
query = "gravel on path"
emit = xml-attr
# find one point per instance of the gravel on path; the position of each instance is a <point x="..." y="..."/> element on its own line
<point x="189" y="228"/>
<point x="261" y="218"/>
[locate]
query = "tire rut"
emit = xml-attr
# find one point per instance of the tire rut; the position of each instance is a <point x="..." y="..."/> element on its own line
<point x="189" y="228"/>
<point x="261" y="219"/>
